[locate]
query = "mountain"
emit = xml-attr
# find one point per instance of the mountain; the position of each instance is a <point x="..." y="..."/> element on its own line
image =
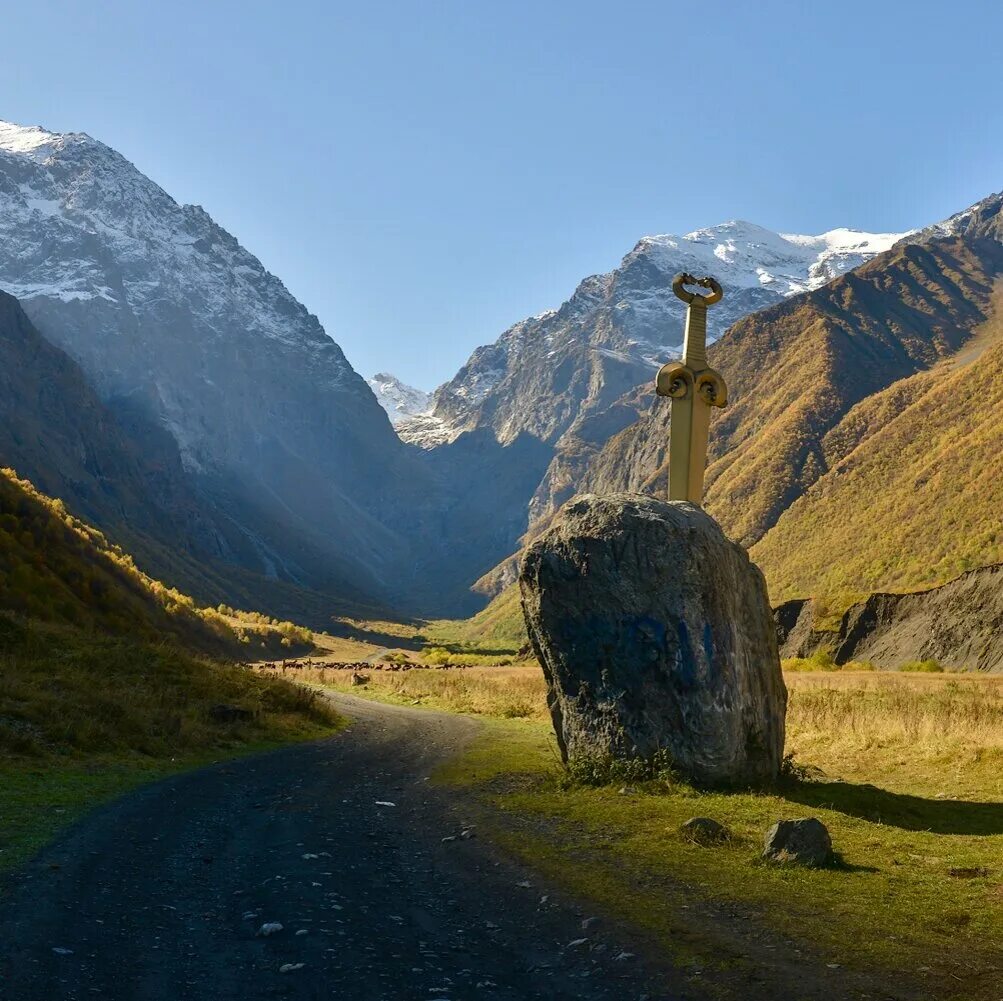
<point x="860" y="448"/>
<point x="125" y="474"/>
<point x="183" y="333"/>
<point x="541" y="374"/>
<point x="530" y="411"/>
<point x="912" y="492"/>
<point x="397" y="398"/>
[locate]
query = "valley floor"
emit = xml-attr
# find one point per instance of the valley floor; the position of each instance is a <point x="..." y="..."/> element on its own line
<point x="166" y="889"/>
<point x="347" y="845"/>
<point x="903" y="769"/>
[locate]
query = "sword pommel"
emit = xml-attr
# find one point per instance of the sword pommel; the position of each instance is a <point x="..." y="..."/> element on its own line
<point x="697" y="298"/>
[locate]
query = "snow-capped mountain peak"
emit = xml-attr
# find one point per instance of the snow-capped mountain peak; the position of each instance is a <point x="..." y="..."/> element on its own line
<point x="397" y="398"/>
<point x="165" y="287"/>
<point x="622" y="325"/>
<point x="743" y="255"/>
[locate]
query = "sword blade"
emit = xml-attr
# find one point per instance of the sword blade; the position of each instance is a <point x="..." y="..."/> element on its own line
<point x="689" y="430"/>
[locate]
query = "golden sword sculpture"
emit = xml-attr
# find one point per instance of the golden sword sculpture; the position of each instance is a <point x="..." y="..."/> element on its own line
<point x="694" y="388"/>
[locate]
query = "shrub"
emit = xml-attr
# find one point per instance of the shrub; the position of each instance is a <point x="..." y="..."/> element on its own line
<point x="601" y="768"/>
<point x="820" y="660"/>
<point x="923" y="666"/>
<point x="435" y="655"/>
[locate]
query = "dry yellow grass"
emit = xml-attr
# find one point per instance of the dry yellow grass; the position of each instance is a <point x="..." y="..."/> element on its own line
<point x="917" y="733"/>
<point x="504" y="692"/>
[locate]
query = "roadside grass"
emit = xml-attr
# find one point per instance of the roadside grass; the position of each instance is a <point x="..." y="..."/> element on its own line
<point x="84" y="717"/>
<point x="906" y="771"/>
<point x="516" y="692"/>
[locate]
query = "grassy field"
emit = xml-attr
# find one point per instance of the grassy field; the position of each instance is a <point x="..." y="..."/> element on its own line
<point x="84" y="717"/>
<point x="906" y="770"/>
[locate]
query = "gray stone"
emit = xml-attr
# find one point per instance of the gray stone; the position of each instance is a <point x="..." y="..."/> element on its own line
<point x="655" y="635"/>
<point x="805" y="842"/>
<point x="704" y="831"/>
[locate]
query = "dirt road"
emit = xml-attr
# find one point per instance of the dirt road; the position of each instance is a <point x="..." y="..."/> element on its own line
<point x="168" y="893"/>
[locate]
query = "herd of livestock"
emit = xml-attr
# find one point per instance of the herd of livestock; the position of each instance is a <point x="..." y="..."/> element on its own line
<point x="356" y="667"/>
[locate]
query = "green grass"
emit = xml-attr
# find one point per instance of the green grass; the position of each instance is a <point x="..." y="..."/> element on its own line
<point x="496" y="629"/>
<point x="85" y="717"/>
<point x="906" y="772"/>
<point x="892" y="904"/>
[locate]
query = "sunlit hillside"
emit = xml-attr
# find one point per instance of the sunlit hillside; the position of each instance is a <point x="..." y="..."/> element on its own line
<point x="914" y="490"/>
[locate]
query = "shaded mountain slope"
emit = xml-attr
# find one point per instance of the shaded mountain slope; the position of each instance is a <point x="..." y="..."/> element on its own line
<point x="183" y="333"/>
<point x="119" y="471"/>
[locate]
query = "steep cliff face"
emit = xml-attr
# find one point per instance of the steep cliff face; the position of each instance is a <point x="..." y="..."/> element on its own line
<point x="179" y="328"/>
<point x="56" y="432"/>
<point x="959" y="625"/>
<point x="117" y="470"/>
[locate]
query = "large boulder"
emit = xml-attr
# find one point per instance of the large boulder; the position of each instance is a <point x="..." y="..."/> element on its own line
<point x="656" y="637"/>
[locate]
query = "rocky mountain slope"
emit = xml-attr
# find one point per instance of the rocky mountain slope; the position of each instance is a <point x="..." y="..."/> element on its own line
<point x="398" y="399"/>
<point x="180" y="329"/>
<point x="532" y="409"/>
<point x="860" y="451"/>
<point x="544" y="372"/>
<point x="861" y="448"/>
<point x="795" y="370"/>
<point x="959" y="625"/>
<point x="119" y="471"/>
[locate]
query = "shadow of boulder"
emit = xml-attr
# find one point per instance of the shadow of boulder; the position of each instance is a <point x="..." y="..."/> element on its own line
<point x="911" y="813"/>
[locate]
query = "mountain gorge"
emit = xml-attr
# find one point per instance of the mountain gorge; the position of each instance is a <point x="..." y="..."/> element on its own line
<point x="168" y="388"/>
<point x="186" y="338"/>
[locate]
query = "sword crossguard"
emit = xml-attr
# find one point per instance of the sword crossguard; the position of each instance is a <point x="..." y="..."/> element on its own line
<point x="696" y="298"/>
<point x="711" y="386"/>
<point x="674" y="379"/>
<point x="677" y="380"/>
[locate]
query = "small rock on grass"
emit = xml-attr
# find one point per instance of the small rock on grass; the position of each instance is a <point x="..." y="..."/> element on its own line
<point x="803" y="842"/>
<point x="704" y="831"/>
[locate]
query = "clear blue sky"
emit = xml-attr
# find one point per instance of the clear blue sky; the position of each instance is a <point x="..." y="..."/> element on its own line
<point x="422" y="175"/>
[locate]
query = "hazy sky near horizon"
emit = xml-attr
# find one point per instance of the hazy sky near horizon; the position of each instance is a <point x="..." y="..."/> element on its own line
<point x="422" y="175"/>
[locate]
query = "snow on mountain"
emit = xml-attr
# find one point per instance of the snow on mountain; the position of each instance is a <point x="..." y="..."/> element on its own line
<point x="397" y="398"/>
<point x="176" y="323"/>
<point x="631" y="318"/>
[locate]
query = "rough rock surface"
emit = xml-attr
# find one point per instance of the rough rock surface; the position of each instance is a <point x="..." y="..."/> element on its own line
<point x="959" y="624"/>
<point x="655" y="634"/>
<point x="805" y="842"/>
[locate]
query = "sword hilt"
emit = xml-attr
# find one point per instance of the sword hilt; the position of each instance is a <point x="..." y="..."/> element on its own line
<point x="696" y="298"/>
<point x="695" y="342"/>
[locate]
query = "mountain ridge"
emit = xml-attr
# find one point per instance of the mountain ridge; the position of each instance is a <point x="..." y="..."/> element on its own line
<point x="178" y="327"/>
